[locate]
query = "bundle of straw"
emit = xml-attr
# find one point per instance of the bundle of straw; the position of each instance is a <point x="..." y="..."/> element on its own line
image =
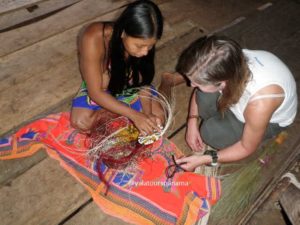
<point x="240" y="188"/>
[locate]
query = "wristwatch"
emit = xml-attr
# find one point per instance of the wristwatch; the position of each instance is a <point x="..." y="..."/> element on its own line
<point x="214" y="156"/>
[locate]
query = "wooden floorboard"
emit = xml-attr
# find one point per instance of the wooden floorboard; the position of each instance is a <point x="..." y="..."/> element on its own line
<point x="42" y="195"/>
<point x="73" y="16"/>
<point x="272" y="209"/>
<point x="10" y="5"/>
<point x="31" y="13"/>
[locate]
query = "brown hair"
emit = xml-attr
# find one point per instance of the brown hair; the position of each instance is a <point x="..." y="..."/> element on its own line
<point x="210" y="60"/>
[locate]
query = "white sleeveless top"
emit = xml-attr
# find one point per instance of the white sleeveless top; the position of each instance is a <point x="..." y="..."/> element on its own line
<point x="267" y="69"/>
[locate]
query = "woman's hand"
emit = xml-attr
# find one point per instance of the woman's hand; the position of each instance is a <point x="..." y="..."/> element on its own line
<point x="146" y="124"/>
<point x="189" y="163"/>
<point x="193" y="137"/>
<point x="157" y="119"/>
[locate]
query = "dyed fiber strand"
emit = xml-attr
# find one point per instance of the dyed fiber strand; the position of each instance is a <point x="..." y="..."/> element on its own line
<point x="104" y="143"/>
<point x="167" y="107"/>
<point x="106" y="146"/>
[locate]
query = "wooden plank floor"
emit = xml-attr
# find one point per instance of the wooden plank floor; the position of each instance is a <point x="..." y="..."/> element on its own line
<point x="39" y="75"/>
<point x="20" y="13"/>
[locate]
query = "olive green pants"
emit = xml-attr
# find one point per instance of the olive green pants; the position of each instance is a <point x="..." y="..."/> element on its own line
<point x="222" y="131"/>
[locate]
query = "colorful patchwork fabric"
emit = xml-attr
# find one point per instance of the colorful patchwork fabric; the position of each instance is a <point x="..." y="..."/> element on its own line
<point x="141" y="194"/>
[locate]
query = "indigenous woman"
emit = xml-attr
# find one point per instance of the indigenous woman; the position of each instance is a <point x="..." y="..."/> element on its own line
<point x="116" y="62"/>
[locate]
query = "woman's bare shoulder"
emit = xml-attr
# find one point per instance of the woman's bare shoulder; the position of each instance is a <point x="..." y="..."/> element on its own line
<point x="93" y="31"/>
<point x="96" y="33"/>
<point x="95" y="38"/>
<point x="99" y="30"/>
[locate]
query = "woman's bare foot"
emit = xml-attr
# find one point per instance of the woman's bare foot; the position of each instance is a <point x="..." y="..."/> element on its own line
<point x="168" y="81"/>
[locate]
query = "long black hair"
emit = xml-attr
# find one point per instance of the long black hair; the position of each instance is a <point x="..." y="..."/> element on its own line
<point x="140" y="19"/>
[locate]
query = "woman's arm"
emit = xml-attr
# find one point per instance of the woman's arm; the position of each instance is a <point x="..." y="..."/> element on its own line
<point x="257" y="117"/>
<point x="193" y="109"/>
<point x="92" y="52"/>
<point x="192" y="135"/>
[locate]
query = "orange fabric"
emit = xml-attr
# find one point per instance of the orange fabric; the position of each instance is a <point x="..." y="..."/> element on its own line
<point x="140" y="194"/>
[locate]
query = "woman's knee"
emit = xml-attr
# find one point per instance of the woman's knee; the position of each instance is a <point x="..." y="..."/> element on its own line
<point x="82" y="120"/>
<point x="207" y="104"/>
<point x="207" y="133"/>
<point x="218" y="134"/>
